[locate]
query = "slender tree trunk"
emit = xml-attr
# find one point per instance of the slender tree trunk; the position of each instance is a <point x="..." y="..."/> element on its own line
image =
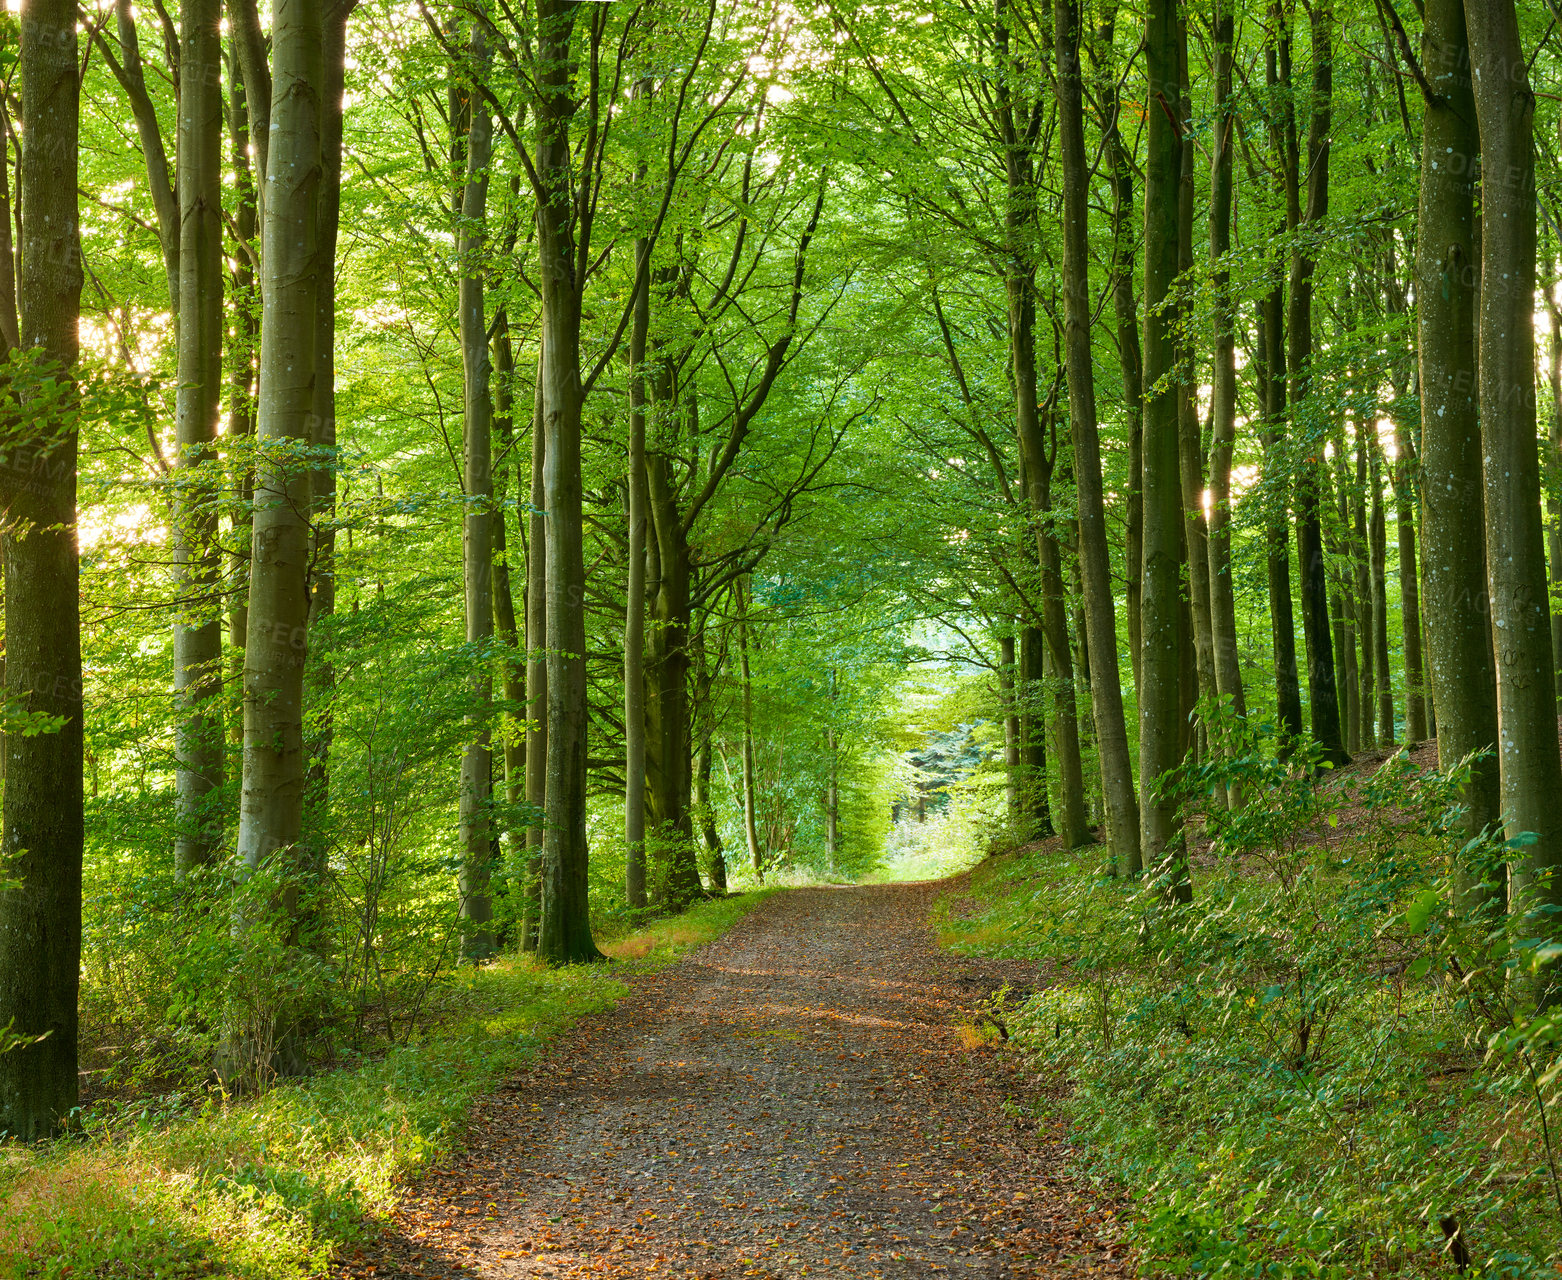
<point x="198" y="746"/>
<point x="750" y="820"/>
<point x="710" y="835"/>
<point x="1416" y="725"/>
<point x="1036" y="461"/>
<point x="1125" y="313"/>
<point x="1223" y="377"/>
<point x="321" y="688"/>
<point x="1366" y="615"/>
<point x="40" y="908"/>
<point x="507" y="622"/>
<point x="1323" y="693"/>
<point x="1036" y="675"/>
<point x="272" y="798"/>
<point x="476" y="805"/>
<point x="1378" y="539"/>
<point x="667" y="708"/>
<point x="536" y="672"/>
<point x="1554" y="467"/>
<point x="634" y="607"/>
<point x="1190" y="441"/>
<point x="1529" y="765"/>
<point x="1453" y="528"/>
<point x="243" y="347"/>
<point x="1160" y="719"/>
<point x="1117" y="779"/>
<point x="565" y="933"/>
<point x="1011" y="730"/>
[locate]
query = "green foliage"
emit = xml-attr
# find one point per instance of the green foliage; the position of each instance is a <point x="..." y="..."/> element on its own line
<point x="199" y="1182"/>
<point x="1317" y="1069"/>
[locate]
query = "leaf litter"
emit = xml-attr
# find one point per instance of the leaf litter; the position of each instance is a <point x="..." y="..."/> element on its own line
<point x="810" y="1095"/>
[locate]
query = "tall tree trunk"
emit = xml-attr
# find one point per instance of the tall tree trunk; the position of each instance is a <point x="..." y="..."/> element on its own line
<point x="1160" y="719"/>
<point x="1190" y="441"/>
<point x="1554" y="466"/>
<point x="1529" y="765"/>
<point x="1416" y="725"/>
<point x="634" y="604"/>
<point x="710" y="835"/>
<point x="1378" y="541"/>
<point x="1453" y="526"/>
<point x="198" y="745"/>
<point x="1361" y="559"/>
<point x="1008" y="696"/>
<point x="536" y="671"/>
<point x="271" y="804"/>
<point x="40" y="909"/>
<point x="667" y="707"/>
<point x="1119" y="164"/>
<point x="1036" y="461"/>
<point x="321" y="688"/>
<point x="1036" y="676"/>
<point x="750" y="799"/>
<point x="565" y="933"/>
<point x="507" y="624"/>
<point x="1323" y="693"/>
<point x="1117" y="779"/>
<point x="1223" y="377"/>
<point x="242" y="349"/>
<point x="476" y="804"/>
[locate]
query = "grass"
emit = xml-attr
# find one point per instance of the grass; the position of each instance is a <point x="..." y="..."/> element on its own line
<point x="271" y="1188"/>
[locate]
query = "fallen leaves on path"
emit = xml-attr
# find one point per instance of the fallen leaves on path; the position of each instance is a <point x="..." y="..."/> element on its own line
<point x="803" y="1097"/>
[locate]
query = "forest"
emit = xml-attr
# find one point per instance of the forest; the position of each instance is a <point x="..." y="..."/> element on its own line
<point x="511" y="506"/>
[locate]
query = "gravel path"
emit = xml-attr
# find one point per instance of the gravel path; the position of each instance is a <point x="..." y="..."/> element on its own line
<point x="798" y="1098"/>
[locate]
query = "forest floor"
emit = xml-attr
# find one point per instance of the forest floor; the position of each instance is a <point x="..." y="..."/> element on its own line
<point x="812" y="1094"/>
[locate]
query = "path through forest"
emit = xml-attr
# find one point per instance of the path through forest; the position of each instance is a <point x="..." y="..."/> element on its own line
<point x="797" y="1098"/>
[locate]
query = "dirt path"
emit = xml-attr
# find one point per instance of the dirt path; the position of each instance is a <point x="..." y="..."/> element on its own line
<point x="794" y="1099"/>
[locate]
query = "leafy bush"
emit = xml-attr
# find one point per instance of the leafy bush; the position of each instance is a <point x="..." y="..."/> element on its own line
<point x="1321" y="1067"/>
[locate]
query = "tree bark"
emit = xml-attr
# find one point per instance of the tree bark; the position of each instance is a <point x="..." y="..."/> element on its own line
<point x="507" y="623"/>
<point x="272" y="796"/>
<point x="1453" y="528"/>
<point x="564" y="936"/>
<point x="1036" y="674"/>
<point x="321" y="687"/>
<point x="750" y="800"/>
<point x="1160" y="719"/>
<point x="476" y="802"/>
<point x="1416" y="724"/>
<point x="1117" y="779"/>
<point x="242" y="351"/>
<point x="1223" y="377"/>
<point x="710" y="835"/>
<point x="1011" y="730"/>
<point x="1323" y="693"/>
<point x="536" y="673"/>
<point x="1378" y="543"/>
<point x="1125" y="313"/>
<point x="634" y="606"/>
<point x="40" y="911"/>
<point x="198" y="744"/>
<point x="1366" y="610"/>
<point x="1529" y="765"/>
<point x="1036" y="460"/>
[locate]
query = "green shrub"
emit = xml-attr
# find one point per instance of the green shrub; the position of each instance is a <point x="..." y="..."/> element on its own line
<point x="1317" y="1069"/>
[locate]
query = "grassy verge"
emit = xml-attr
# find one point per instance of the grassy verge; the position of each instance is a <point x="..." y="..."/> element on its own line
<point x="1289" y="1078"/>
<point x="269" y="1188"/>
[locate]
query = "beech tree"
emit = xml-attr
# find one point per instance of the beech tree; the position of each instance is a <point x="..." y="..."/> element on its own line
<point x="40" y="907"/>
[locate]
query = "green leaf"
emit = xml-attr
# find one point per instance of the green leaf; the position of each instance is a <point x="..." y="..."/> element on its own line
<point x="1421" y="908"/>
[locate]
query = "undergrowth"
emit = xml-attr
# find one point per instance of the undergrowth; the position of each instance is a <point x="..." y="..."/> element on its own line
<point x="1330" y="1065"/>
<point x="197" y="1183"/>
